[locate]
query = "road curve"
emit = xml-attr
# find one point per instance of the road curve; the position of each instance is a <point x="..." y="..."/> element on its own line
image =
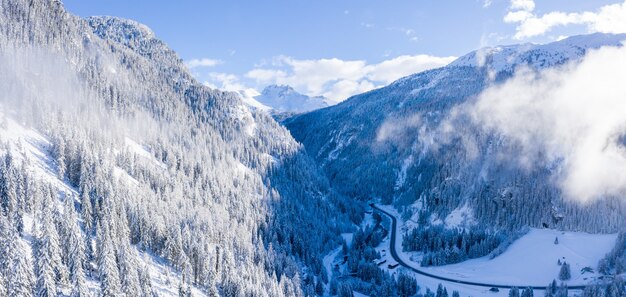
<point x="394" y="255"/>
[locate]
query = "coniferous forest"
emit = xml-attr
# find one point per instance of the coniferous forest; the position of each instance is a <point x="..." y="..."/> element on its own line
<point x="121" y="174"/>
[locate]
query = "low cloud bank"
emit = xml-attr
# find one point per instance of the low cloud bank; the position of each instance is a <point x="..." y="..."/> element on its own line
<point x="574" y="116"/>
<point x="571" y="118"/>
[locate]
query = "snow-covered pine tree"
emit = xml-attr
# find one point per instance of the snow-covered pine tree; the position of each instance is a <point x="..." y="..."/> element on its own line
<point x="145" y="283"/>
<point x="3" y="286"/>
<point x="565" y="273"/>
<point x="528" y="292"/>
<point x="21" y="278"/>
<point x="108" y="271"/>
<point x="49" y="267"/>
<point x="128" y="271"/>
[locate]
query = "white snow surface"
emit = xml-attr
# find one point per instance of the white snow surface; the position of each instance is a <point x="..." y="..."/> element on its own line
<point x="286" y="99"/>
<point x="506" y="58"/>
<point x="29" y="144"/>
<point x="143" y="152"/>
<point x="461" y="217"/>
<point x="248" y="97"/>
<point x="530" y="260"/>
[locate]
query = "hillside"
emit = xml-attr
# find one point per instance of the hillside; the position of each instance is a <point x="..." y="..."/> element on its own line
<point x="388" y="144"/>
<point x="123" y="174"/>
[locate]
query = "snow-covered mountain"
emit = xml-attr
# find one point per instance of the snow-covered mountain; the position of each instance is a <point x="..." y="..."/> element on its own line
<point x="121" y="175"/>
<point x="536" y="56"/>
<point x="380" y="145"/>
<point x="285" y="99"/>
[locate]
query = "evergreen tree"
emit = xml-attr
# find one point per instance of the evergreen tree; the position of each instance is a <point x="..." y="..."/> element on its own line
<point x="128" y="271"/>
<point x="345" y="290"/>
<point x="552" y="288"/>
<point x="407" y="286"/>
<point x="528" y="292"/>
<point x="79" y="284"/>
<point x="319" y="288"/>
<point x="514" y="292"/>
<point x="565" y="273"/>
<point x="3" y="286"/>
<point x="107" y="266"/>
<point x="145" y="282"/>
<point x="5" y="237"/>
<point x="442" y="291"/>
<point x="47" y="257"/>
<point x="59" y="151"/>
<point x="86" y="210"/>
<point x="21" y="278"/>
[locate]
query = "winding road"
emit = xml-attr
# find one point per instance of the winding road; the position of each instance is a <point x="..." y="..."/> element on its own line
<point x="394" y="255"/>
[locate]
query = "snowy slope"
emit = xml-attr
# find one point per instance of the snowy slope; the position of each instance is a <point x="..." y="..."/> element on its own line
<point x="163" y="164"/>
<point x="28" y="144"/>
<point x="286" y="99"/>
<point x="537" y="56"/>
<point x="249" y="97"/>
<point x="389" y="144"/>
<point x="32" y="148"/>
<point x="533" y="258"/>
<point x="530" y="260"/>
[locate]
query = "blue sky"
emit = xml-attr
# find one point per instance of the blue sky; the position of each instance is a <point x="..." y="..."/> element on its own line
<point x="339" y="48"/>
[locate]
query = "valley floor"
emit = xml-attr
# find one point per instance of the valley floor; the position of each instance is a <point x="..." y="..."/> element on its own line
<point x="530" y="260"/>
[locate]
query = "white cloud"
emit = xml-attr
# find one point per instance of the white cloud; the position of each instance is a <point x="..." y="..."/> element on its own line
<point x="338" y="79"/>
<point x="574" y="117"/>
<point x="345" y="88"/>
<point x="607" y="19"/>
<point x="204" y="62"/>
<point x="390" y="70"/>
<point x="527" y="5"/>
<point x="487" y="3"/>
<point x="230" y="82"/>
<point x="265" y="76"/>
<point x="224" y="81"/>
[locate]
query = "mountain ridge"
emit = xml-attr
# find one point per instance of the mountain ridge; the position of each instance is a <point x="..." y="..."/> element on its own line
<point x="383" y="136"/>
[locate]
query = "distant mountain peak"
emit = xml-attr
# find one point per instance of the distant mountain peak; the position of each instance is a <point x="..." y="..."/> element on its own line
<point x="284" y="98"/>
<point x="281" y="89"/>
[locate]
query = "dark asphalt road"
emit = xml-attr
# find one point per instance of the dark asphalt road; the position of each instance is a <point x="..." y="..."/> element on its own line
<point x="394" y="255"/>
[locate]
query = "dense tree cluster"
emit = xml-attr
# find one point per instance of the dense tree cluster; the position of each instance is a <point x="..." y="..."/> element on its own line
<point x="390" y="143"/>
<point x="615" y="261"/>
<point x="363" y="268"/>
<point x="361" y="258"/>
<point x="554" y="290"/>
<point x="615" y="287"/>
<point x="443" y="246"/>
<point x="145" y="161"/>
